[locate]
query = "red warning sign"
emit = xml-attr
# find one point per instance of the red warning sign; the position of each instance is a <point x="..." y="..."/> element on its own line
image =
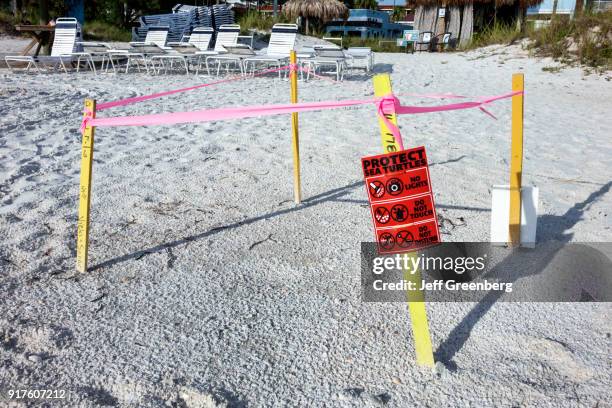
<point x="401" y="200"/>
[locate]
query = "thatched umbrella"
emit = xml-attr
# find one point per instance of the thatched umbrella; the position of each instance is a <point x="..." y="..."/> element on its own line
<point x="321" y="10"/>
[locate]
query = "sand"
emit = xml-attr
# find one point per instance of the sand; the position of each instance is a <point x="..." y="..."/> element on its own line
<point x="209" y="287"/>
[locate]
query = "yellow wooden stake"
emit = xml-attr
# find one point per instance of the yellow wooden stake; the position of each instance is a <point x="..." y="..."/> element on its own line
<point x="416" y="298"/>
<point x="87" y="150"/>
<point x="516" y="160"/>
<point x="382" y="87"/>
<point x="295" y="140"/>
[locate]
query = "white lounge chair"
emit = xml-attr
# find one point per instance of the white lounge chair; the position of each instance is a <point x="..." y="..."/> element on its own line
<point x="364" y="54"/>
<point x="281" y="43"/>
<point x="235" y="54"/>
<point x="199" y="40"/>
<point x="154" y="49"/>
<point x="92" y="52"/>
<point x="329" y="56"/>
<point x="155" y="35"/>
<point x="64" y="44"/>
<point x="154" y="43"/>
<point x="196" y="43"/>
<point x="227" y="36"/>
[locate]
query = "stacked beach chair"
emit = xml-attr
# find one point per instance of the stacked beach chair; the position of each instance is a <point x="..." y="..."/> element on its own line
<point x="183" y="20"/>
<point x="222" y="15"/>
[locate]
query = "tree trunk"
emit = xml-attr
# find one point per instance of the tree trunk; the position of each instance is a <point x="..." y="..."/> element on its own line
<point x="425" y="18"/>
<point x="454" y="23"/>
<point x="495" y="14"/>
<point x="521" y="19"/>
<point x="307" y="27"/>
<point x="554" y="11"/>
<point x="441" y="23"/>
<point x="467" y="25"/>
<point x="418" y="16"/>
<point x="579" y="7"/>
<point x="43" y="12"/>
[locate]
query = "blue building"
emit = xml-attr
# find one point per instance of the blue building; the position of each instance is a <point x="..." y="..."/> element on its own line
<point x="366" y="24"/>
<point x="546" y="7"/>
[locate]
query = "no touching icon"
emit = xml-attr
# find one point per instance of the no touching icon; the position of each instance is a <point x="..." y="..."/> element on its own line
<point x="399" y="213"/>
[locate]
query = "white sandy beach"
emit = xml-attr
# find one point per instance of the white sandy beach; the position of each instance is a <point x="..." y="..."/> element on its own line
<point x="209" y="287"/>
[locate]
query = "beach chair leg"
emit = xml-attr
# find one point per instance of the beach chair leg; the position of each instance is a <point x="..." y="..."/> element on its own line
<point x="63" y="65"/>
<point x="186" y="66"/>
<point x="93" y="66"/>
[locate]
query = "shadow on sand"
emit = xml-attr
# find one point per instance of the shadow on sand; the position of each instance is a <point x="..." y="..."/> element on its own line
<point x="550" y="228"/>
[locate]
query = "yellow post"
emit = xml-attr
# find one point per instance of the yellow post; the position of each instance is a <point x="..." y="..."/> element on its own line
<point x="382" y="87"/>
<point x="516" y="160"/>
<point x="297" y="187"/>
<point x="416" y="298"/>
<point x="87" y="150"/>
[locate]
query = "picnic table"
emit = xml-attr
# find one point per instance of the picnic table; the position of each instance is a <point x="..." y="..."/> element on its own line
<point x="41" y="37"/>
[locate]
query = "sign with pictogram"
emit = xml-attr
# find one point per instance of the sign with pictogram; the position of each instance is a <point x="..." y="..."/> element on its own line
<point x="401" y="200"/>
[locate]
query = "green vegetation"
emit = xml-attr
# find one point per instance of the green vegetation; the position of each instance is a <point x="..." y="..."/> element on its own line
<point x="388" y="45"/>
<point x="499" y="33"/>
<point x="103" y="31"/>
<point x="366" y="4"/>
<point x="259" y="21"/>
<point x="7" y="23"/>
<point x="586" y="39"/>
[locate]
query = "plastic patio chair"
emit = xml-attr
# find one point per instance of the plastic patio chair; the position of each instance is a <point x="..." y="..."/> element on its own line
<point x="424" y="39"/>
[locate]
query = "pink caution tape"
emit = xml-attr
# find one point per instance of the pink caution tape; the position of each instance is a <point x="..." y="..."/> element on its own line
<point x="386" y="105"/>
<point x="390" y="104"/>
<point x="136" y="99"/>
